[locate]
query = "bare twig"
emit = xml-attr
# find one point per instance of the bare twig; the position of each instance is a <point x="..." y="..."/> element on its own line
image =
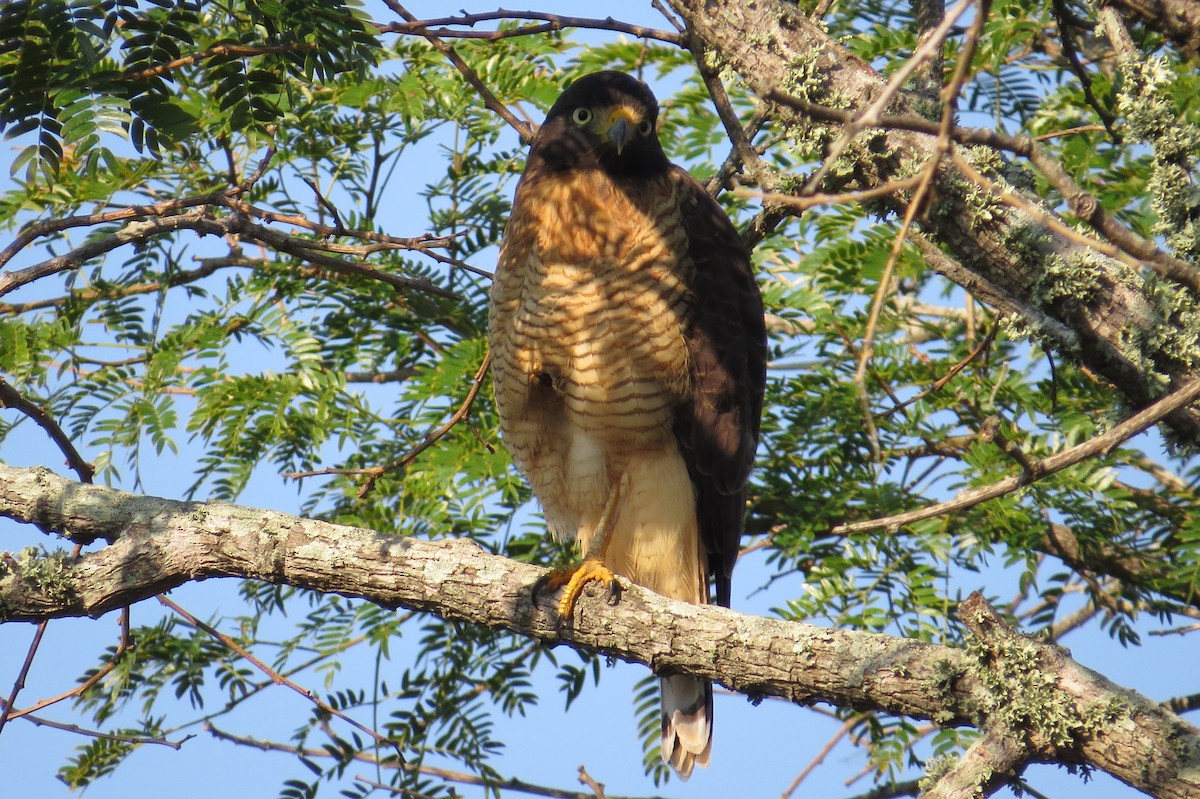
<point x="806" y="201"/>
<point x="941" y="147"/>
<point x="743" y="147"/>
<point x="490" y="100"/>
<point x="207" y="267"/>
<point x="946" y="378"/>
<point x="553" y="22"/>
<point x="109" y="736"/>
<point x="509" y="784"/>
<point x="1184" y="630"/>
<point x="81" y="688"/>
<point x="218" y="51"/>
<point x="257" y="174"/>
<point x="819" y="758"/>
<point x="1039" y="469"/>
<point x="1062" y="14"/>
<point x="1016" y="200"/>
<point x="339" y="229"/>
<point x="202" y="221"/>
<point x="676" y="22"/>
<point x="597" y="788"/>
<point x="227" y="198"/>
<point x="375" y="472"/>
<point x="276" y="677"/>
<point x="733" y="161"/>
<point x="11" y="398"/>
<point x="19" y="683"/>
<point x="906" y="788"/>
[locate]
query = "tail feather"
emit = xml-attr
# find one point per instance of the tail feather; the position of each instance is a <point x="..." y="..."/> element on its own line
<point x="687" y="711"/>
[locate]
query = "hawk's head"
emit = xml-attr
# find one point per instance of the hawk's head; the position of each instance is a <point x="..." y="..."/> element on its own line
<point x="605" y="120"/>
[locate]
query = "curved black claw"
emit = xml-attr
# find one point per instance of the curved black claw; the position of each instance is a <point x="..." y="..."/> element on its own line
<point x="539" y="586"/>
<point x="614" y="593"/>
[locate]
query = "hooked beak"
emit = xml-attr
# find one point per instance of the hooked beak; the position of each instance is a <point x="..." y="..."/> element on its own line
<point x="621" y="127"/>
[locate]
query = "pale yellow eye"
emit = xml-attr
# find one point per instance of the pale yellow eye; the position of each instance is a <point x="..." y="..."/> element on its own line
<point x="646" y="128"/>
<point x="581" y="116"/>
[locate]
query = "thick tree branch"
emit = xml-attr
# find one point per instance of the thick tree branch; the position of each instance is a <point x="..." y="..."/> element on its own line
<point x="1178" y="20"/>
<point x="781" y="54"/>
<point x="159" y="544"/>
<point x="988" y="765"/>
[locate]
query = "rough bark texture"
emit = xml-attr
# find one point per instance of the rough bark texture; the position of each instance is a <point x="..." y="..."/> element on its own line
<point x="1178" y="20"/>
<point x="157" y="544"/>
<point x="1083" y="304"/>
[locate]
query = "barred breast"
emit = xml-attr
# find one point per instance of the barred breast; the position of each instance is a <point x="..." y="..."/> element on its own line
<point x="586" y="328"/>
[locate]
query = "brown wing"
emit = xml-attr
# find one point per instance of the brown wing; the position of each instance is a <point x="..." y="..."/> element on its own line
<point x="717" y="428"/>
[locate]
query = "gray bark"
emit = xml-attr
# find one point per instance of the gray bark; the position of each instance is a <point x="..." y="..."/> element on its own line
<point x="157" y="544"/>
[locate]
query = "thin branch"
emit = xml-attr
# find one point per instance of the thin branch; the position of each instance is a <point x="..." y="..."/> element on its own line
<point x="168" y="208"/>
<point x="208" y="267"/>
<point x="819" y="758"/>
<point x="942" y="145"/>
<point x="373" y="473"/>
<point x="202" y="221"/>
<point x="1084" y="206"/>
<point x="1184" y="630"/>
<point x="11" y="398"/>
<point x="1062" y="14"/>
<point x="19" y="683"/>
<point x="1100" y="445"/>
<point x="733" y="161"/>
<point x="806" y="201"/>
<point x="339" y="229"/>
<point x="81" y="688"/>
<point x="675" y="21"/>
<point x="230" y="51"/>
<point x="490" y="100"/>
<point x="36" y="230"/>
<point x="940" y="383"/>
<point x="509" y="784"/>
<point x="907" y="788"/>
<point x="554" y="22"/>
<point x="743" y="147"/>
<point x="1074" y="621"/>
<point x="1047" y="218"/>
<point x="109" y="736"/>
<point x="276" y="677"/>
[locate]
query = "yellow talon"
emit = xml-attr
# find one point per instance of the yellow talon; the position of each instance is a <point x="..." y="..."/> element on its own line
<point x="589" y="571"/>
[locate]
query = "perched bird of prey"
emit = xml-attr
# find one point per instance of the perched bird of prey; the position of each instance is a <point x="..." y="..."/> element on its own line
<point x="628" y="356"/>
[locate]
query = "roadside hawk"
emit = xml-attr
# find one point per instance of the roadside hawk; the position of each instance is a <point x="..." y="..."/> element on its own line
<point x="628" y="356"/>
